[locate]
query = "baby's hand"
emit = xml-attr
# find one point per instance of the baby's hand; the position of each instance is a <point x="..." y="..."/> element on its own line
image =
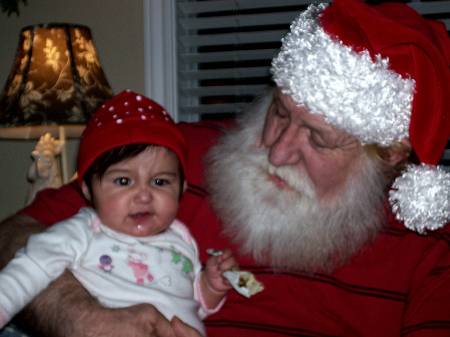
<point x="215" y="266"/>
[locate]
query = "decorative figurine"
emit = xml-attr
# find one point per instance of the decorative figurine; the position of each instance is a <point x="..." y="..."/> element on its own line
<point x="44" y="171"/>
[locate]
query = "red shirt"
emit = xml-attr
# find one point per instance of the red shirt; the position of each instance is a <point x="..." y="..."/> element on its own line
<point x="398" y="286"/>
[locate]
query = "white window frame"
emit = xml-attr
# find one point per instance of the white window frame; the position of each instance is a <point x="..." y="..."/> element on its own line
<point x="160" y="53"/>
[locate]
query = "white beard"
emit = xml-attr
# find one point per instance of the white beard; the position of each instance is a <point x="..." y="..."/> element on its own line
<point x="289" y="228"/>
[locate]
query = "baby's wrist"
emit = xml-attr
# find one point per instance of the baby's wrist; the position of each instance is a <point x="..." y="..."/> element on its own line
<point x="210" y="287"/>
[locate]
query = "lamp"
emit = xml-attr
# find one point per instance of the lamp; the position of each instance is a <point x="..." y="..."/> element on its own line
<point x="55" y="85"/>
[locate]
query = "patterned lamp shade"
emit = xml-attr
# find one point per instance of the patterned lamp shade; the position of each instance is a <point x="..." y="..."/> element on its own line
<point x="56" y="78"/>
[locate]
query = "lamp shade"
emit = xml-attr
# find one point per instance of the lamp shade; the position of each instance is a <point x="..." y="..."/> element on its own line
<point x="56" y="78"/>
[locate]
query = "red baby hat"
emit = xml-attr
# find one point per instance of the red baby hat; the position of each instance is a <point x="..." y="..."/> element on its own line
<point x="381" y="73"/>
<point x="129" y="118"/>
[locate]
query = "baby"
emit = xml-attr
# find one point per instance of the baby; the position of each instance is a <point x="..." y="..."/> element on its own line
<point x="128" y="248"/>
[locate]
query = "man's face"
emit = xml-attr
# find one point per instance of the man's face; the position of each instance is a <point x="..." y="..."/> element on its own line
<point x="305" y="197"/>
<point x="298" y="139"/>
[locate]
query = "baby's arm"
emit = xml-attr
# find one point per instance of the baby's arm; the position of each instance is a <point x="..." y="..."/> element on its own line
<point x="20" y="281"/>
<point x="44" y="258"/>
<point x="213" y="285"/>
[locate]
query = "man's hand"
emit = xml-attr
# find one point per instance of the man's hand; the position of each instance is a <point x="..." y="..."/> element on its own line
<point x="65" y="308"/>
<point x="138" y="320"/>
<point x="14" y="233"/>
<point x="182" y="329"/>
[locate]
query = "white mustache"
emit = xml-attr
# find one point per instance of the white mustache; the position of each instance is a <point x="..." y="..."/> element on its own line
<point x="294" y="177"/>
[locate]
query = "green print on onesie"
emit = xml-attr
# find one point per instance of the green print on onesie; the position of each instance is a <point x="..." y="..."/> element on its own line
<point x="186" y="263"/>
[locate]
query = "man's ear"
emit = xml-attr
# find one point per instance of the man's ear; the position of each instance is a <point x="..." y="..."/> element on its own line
<point x="85" y="191"/>
<point x="397" y="154"/>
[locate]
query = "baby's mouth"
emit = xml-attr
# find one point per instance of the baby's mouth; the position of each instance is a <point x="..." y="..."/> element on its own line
<point x="141" y="216"/>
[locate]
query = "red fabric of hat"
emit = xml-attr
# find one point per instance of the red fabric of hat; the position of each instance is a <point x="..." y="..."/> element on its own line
<point x="129" y="118"/>
<point x="416" y="48"/>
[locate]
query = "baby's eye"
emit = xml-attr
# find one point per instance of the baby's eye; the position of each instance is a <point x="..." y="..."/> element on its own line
<point x="122" y="181"/>
<point x="160" y="182"/>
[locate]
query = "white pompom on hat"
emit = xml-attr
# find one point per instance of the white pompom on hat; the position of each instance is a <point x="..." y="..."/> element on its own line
<point x="381" y="73"/>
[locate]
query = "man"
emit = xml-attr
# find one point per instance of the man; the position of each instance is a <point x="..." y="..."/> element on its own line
<point x="302" y="185"/>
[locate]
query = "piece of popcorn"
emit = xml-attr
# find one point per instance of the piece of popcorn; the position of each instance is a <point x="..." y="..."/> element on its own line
<point x="243" y="282"/>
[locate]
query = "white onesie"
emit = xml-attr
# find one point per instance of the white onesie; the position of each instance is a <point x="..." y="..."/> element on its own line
<point x="118" y="269"/>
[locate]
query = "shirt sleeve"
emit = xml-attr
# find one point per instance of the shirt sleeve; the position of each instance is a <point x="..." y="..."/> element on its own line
<point x="204" y="311"/>
<point x="43" y="259"/>
<point x="428" y="310"/>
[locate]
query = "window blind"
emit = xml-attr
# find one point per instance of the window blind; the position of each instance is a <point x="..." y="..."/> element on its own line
<point x="224" y="52"/>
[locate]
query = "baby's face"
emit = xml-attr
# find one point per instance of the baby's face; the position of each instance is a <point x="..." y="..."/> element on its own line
<point x="139" y="196"/>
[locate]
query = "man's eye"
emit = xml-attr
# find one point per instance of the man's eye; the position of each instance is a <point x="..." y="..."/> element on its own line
<point x="317" y="142"/>
<point x="122" y="181"/>
<point x="160" y="182"/>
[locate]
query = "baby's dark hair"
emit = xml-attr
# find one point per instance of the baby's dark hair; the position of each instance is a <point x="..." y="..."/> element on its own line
<point x="114" y="156"/>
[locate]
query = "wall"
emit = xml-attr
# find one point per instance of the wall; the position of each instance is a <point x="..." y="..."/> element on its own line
<point x="117" y="30"/>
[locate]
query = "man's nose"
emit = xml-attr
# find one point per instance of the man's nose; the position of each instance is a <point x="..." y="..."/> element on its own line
<point x="286" y="149"/>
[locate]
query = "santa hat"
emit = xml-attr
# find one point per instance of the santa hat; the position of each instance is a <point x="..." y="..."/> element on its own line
<point x="129" y="118"/>
<point x="381" y="73"/>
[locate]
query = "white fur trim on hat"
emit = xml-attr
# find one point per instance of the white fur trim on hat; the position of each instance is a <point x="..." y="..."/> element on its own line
<point x="351" y="91"/>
